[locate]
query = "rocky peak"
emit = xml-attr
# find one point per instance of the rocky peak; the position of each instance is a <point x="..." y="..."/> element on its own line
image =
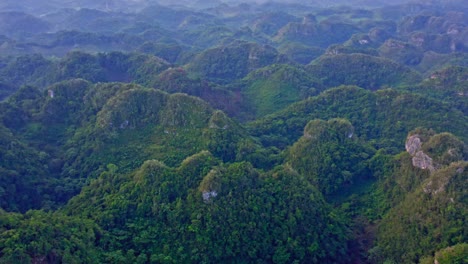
<point x="413" y="144"/>
<point x="210" y="185"/>
<point x="423" y="161"/>
<point x="434" y="151"/>
<point x="420" y="159"/>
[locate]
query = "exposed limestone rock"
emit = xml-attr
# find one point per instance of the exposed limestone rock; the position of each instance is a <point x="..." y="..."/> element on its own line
<point x="207" y="195"/>
<point x="50" y="92"/>
<point x="420" y="159"/>
<point x="413" y="144"/>
<point x="363" y="41"/>
<point x="423" y="161"/>
<point x="437" y="187"/>
<point x="210" y="185"/>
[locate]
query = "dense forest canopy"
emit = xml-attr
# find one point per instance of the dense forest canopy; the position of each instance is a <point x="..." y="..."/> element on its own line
<point x="224" y="131"/>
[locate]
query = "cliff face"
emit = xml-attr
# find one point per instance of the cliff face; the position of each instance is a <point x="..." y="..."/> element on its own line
<point x="420" y="159"/>
<point x="433" y="198"/>
<point x="433" y="152"/>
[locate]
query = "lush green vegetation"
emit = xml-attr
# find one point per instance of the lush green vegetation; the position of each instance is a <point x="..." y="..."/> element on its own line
<point x="204" y="211"/>
<point x="329" y="155"/>
<point x="134" y="132"/>
<point x="384" y="117"/>
<point x="274" y="87"/>
<point x="37" y="236"/>
<point x="362" y="70"/>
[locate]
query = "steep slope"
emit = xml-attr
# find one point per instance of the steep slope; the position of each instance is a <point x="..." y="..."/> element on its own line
<point x="329" y="155"/>
<point x="430" y="216"/>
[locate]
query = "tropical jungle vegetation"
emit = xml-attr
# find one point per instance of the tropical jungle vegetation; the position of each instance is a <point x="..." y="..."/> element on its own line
<point x="218" y="131"/>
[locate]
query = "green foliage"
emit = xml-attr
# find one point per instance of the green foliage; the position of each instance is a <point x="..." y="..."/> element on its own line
<point x="300" y="53"/>
<point x="362" y="70"/>
<point x="81" y="65"/>
<point x="449" y="85"/>
<point x="433" y="62"/>
<point x="37" y="236"/>
<point x="269" y="23"/>
<point x="384" y="117"/>
<point x="428" y="219"/>
<point x="77" y="128"/>
<point x="270" y="229"/>
<point x="62" y="105"/>
<point x="231" y="62"/>
<point x="207" y="36"/>
<point x="21" y="187"/>
<point x="28" y="69"/>
<point x="132" y="108"/>
<point x="176" y="80"/>
<point x="445" y="148"/>
<point x="200" y="212"/>
<point x="132" y="174"/>
<point x="329" y="155"/>
<point x="169" y="52"/>
<point x="456" y="254"/>
<point x="348" y="49"/>
<point x="103" y="67"/>
<point x="401" y="52"/>
<point x="17" y="110"/>
<point x="321" y="34"/>
<point x="223" y="136"/>
<point x="274" y="87"/>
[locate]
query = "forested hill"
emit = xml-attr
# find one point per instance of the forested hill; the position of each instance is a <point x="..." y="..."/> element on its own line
<point x="222" y="132"/>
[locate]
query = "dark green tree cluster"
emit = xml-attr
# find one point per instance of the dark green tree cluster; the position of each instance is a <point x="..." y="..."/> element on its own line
<point x="329" y="155"/>
<point x="39" y="237"/>
<point x="204" y="211"/>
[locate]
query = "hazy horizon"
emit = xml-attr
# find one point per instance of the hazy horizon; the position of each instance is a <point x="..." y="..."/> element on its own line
<point x="41" y="7"/>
